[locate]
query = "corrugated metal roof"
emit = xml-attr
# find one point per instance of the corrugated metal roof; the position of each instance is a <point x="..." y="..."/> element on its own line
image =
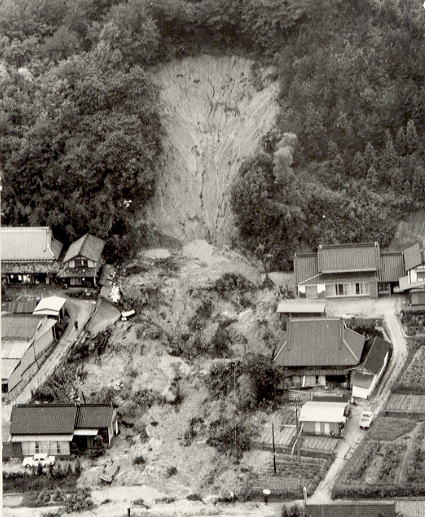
<point x="87" y="246"/>
<point x="319" y="411"/>
<point x="20" y="306"/>
<point x="8" y="366"/>
<point x="343" y="258"/>
<point x="28" y="244"/>
<point x="14" y="349"/>
<point x="50" y="305"/>
<point x="352" y="509"/>
<point x="94" y="416"/>
<point x="305" y="266"/>
<point x="412" y="257"/>
<point x="319" y="342"/>
<point x="392" y="267"/>
<point x="301" y="306"/>
<point x="20" y="326"/>
<point x="42" y="419"/>
<point x="411" y="508"/>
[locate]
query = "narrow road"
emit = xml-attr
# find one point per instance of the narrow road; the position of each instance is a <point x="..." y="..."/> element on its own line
<point x="79" y="310"/>
<point x="387" y="309"/>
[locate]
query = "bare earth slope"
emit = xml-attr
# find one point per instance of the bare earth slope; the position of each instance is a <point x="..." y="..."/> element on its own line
<point x="214" y="117"/>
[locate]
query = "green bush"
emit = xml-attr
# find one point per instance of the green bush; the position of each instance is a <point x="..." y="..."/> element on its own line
<point x="79" y="501"/>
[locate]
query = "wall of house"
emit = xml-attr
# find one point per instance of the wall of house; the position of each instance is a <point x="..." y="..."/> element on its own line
<point x="71" y="263"/>
<point x="360" y="393"/>
<point x="320" y="428"/>
<point x="58" y="448"/>
<point x="312" y="291"/>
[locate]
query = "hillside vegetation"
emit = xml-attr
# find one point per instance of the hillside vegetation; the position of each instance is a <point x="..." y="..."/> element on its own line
<point x="82" y="126"/>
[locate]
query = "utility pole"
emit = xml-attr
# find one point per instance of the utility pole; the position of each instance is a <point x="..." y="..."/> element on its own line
<point x="274" y="450"/>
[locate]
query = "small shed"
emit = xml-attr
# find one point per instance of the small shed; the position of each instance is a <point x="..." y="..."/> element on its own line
<point x="323" y="418"/>
<point x="52" y="306"/>
<point x="301" y="308"/>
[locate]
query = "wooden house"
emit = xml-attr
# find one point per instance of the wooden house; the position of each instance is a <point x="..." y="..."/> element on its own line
<point x="60" y="429"/>
<point x="29" y="255"/>
<point x="347" y="270"/>
<point x="82" y="262"/>
<point x="323" y="418"/>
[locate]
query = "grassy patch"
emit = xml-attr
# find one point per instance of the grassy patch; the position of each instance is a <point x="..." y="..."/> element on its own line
<point x="390" y="428"/>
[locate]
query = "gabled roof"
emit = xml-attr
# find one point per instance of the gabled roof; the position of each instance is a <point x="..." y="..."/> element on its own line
<point x="22" y="326"/>
<point x="319" y="342"/>
<point x="50" y="419"/>
<point x="343" y="258"/>
<point x="94" y="416"/>
<point x="376" y="355"/>
<point x="26" y="244"/>
<point x="87" y="246"/>
<point x="305" y="266"/>
<point x="42" y="419"/>
<point x="412" y="257"/>
<point x="392" y="267"/>
<point x="352" y="509"/>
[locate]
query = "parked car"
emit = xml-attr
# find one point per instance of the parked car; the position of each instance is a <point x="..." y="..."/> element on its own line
<point x="366" y="419"/>
<point x="34" y="461"/>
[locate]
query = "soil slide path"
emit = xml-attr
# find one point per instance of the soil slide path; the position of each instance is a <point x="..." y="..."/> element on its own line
<point x="214" y="115"/>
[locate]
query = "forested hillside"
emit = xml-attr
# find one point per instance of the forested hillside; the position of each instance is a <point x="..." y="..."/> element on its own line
<point x="81" y="136"/>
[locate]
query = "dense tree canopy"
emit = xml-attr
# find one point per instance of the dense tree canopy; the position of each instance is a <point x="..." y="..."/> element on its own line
<point x="80" y="134"/>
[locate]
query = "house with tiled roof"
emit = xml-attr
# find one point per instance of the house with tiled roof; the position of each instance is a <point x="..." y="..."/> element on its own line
<point x="413" y="278"/>
<point x="61" y="429"/>
<point x="347" y="270"/>
<point x="26" y="339"/>
<point x="29" y="255"/>
<point x="316" y="351"/>
<point x="365" y="377"/>
<point x="82" y="262"/>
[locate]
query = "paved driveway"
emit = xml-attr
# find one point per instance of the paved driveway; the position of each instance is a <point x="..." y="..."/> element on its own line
<point x="387" y="309"/>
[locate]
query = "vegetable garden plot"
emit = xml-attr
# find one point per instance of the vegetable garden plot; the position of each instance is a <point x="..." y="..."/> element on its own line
<point x="320" y="443"/>
<point x="414" y="376"/>
<point x="406" y="404"/>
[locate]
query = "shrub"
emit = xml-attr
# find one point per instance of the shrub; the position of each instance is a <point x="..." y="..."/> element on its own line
<point x="146" y="398"/>
<point x="140" y="428"/>
<point x="229" y="283"/>
<point x="141" y="502"/>
<point x="232" y="437"/>
<point x="79" y="501"/>
<point x="139" y="460"/>
<point x="171" y="471"/>
<point x="165" y="500"/>
<point x="194" y="497"/>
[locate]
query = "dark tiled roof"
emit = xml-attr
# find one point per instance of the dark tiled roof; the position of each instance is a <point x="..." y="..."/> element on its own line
<point x="412" y="257"/>
<point x="43" y="419"/>
<point x="348" y="257"/>
<point x="59" y="418"/>
<point x="94" y="416"/>
<point x="351" y="509"/>
<point x="22" y="243"/>
<point x="88" y="246"/>
<point x="320" y="342"/>
<point x="305" y="266"/>
<point x="19" y="326"/>
<point x="376" y="355"/>
<point x="341" y="278"/>
<point x="392" y="267"/>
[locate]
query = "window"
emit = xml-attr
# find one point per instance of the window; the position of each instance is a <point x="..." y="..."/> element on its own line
<point x="81" y="262"/>
<point x="58" y="448"/>
<point x="36" y="447"/>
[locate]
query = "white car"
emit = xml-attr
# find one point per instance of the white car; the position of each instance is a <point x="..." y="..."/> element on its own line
<point x="34" y="461"/>
<point x="366" y="419"/>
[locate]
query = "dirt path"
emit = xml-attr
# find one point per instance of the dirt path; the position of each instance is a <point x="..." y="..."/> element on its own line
<point x="214" y="117"/>
<point x="386" y="308"/>
<point x="79" y="310"/>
